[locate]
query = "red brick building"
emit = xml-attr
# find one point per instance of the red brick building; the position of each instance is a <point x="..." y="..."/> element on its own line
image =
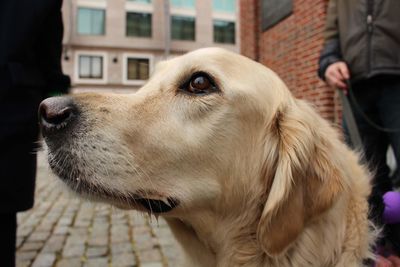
<point x="291" y="48"/>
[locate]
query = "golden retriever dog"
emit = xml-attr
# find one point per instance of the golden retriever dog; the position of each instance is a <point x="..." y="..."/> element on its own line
<point x="244" y="173"/>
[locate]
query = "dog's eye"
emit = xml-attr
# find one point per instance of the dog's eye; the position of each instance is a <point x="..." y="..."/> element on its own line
<point x="199" y="84"/>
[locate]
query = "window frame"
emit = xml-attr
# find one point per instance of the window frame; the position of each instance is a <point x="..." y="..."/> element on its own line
<point x="234" y="31"/>
<point x="102" y="54"/>
<point x="139" y="7"/>
<point x="91" y="8"/>
<point x="194" y="27"/>
<point x="125" y="57"/>
<point x="179" y="11"/>
<point x="137" y="36"/>
<point x="99" y="4"/>
<point x="228" y="17"/>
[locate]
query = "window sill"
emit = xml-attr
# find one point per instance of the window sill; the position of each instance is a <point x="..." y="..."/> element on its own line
<point x="90" y="35"/>
<point x="134" y="82"/>
<point x="90" y="81"/>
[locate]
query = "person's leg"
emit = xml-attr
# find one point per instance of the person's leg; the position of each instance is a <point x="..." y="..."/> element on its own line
<point x="375" y="142"/>
<point x="389" y="107"/>
<point x="389" y="111"/>
<point x="8" y="229"/>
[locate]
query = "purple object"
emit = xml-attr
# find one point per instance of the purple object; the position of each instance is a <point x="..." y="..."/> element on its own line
<point x="391" y="214"/>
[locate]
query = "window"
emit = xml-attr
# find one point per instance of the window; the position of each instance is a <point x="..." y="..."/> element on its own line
<point x="138" y="24"/>
<point x="183" y="3"/>
<point x="224" y="31"/>
<point x="138" y="69"/>
<point x="90" y="67"/>
<point x="91" y="21"/>
<point x="224" y="5"/>
<point x="182" y="28"/>
<point x="141" y="1"/>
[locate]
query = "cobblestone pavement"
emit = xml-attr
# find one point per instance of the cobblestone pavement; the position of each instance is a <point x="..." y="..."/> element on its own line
<point x="64" y="231"/>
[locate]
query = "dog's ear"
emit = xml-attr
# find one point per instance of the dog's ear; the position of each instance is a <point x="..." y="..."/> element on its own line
<point x="306" y="181"/>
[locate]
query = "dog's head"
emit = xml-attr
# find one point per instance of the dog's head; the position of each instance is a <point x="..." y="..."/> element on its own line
<point x="209" y="130"/>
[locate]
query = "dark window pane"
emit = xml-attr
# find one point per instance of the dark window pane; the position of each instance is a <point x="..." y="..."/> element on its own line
<point x="224" y="31"/>
<point x="90" y="67"/>
<point x="138" y="69"/>
<point x="183" y="28"/>
<point x="138" y="24"/>
<point x="91" y="21"/>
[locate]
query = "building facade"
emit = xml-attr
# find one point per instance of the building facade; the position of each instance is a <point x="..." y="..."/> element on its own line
<point x="115" y="44"/>
<point x="291" y="46"/>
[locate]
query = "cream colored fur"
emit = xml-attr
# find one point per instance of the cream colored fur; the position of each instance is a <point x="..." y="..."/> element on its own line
<point x="261" y="178"/>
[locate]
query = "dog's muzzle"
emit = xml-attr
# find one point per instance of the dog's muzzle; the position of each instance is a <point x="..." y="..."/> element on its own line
<point x="61" y="121"/>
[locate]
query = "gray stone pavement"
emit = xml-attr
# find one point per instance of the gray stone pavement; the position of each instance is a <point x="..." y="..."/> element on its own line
<point x="65" y="231"/>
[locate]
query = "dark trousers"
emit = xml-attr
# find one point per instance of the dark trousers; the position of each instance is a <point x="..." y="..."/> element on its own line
<point x="18" y="132"/>
<point x="379" y="99"/>
<point x="8" y="230"/>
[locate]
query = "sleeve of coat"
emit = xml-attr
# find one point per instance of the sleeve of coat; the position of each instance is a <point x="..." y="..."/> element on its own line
<point x="50" y="47"/>
<point x="331" y="51"/>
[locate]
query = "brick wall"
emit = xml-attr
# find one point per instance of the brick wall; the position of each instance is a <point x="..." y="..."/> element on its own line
<point x="249" y="28"/>
<point x="291" y="48"/>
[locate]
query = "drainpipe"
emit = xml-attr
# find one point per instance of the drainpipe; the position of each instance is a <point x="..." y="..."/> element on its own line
<point x="258" y="30"/>
<point x="68" y="37"/>
<point x="167" y="22"/>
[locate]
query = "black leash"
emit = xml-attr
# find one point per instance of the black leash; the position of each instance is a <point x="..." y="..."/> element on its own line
<point x="365" y="117"/>
<point x="350" y="122"/>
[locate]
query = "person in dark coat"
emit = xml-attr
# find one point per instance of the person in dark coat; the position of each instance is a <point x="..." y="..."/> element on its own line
<point x="30" y="70"/>
<point x="362" y="52"/>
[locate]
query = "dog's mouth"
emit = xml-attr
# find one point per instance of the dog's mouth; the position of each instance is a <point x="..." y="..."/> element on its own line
<point x="158" y="206"/>
<point x="126" y="199"/>
<point x="150" y="201"/>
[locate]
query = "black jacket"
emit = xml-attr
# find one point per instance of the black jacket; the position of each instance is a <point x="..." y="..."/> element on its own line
<point x="365" y="34"/>
<point x="30" y="68"/>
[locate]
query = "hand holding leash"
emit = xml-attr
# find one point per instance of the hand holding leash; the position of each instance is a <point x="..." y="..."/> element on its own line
<point x="336" y="75"/>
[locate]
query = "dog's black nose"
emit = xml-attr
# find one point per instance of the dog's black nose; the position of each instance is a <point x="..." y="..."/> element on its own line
<point x="55" y="114"/>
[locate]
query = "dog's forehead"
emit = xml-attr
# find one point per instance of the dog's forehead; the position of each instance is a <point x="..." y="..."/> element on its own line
<point x="210" y="58"/>
<point x="210" y="53"/>
<point x="206" y="59"/>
